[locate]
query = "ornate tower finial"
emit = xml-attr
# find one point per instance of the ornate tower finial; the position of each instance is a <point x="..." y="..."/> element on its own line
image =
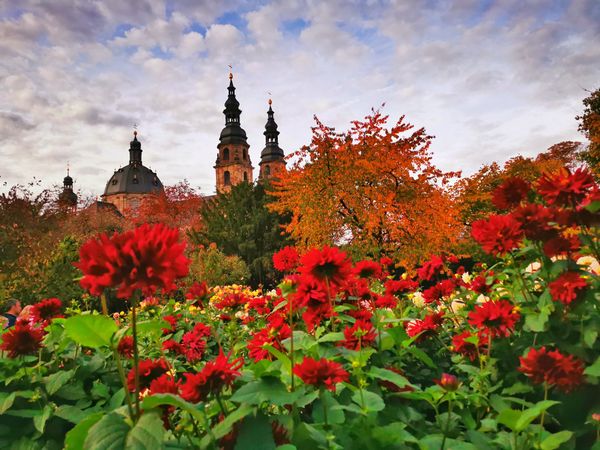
<point x="230" y="71"/>
<point x="68" y="168"/>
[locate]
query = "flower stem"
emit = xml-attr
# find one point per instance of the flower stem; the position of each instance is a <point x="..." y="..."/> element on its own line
<point x="136" y="356"/>
<point x="447" y="427"/>
<point x="104" y="305"/>
<point x="124" y="382"/>
<point x="545" y="398"/>
<point x="324" y="403"/>
<point x="221" y="404"/>
<point x="291" y="341"/>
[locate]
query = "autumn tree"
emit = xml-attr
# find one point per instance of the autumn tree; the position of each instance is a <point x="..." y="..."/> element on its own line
<point x="589" y="125"/>
<point x="239" y="223"/>
<point x="178" y="206"/>
<point x="373" y="188"/>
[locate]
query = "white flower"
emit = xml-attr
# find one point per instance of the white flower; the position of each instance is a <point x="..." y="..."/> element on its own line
<point x="418" y="299"/>
<point x="590" y="264"/>
<point x="533" y="267"/>
<point x="482" y="299"/>
<point x="466" y="277"/>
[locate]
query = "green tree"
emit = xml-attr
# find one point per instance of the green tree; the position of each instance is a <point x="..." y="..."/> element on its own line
<point x="589" y="125"/>
<point x="239" y="224"/>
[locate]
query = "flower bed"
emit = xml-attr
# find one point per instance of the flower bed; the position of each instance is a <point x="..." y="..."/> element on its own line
<point x="457" y="355"/>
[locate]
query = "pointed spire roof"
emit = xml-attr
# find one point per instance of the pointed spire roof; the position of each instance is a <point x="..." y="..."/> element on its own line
<point x="233" y="133"/>
<point x="135" y="150"/>
<point x="272" y="151"/>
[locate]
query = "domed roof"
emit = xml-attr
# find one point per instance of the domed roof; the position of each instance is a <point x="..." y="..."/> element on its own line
<point x="233" y="134"/>
<point x="133" y="179"/>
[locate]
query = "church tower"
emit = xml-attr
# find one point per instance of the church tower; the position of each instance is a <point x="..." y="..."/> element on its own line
<point x="67" y="199"/>
<point x="272" y="158"/>
<point x="233" y="164"/>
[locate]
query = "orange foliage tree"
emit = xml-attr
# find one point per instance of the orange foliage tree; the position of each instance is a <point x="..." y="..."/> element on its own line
<point x="373" y="188"/>
<point x="178" y="206"/>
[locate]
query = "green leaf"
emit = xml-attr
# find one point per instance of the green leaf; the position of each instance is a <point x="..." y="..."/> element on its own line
<point x="90" y="330"/>
<point x="76" y="437"/>
<point x="388" y="375"/>
<point x="285" y="360"/>
<point x="70" y="413"/>
<point x="369" y="400"/>
<point x="39" y="421"/>
<point x="519" y="420"/>
<point x="224" y="427"/>
<point x="554" y="441"/>
<point x="509" y="418"/>
<point x="594" y="369"/>
<point x="156" y="400"/>
<point x="112" y="432"/>
<point x="6" y="401"/>
<point x="57" y="380"/>
<point x="255" y="434"/>
<point x="537" y="322"/>
<point x="267" y="389"/>
<point x="422" y="356"/>
<point x="589" y="337"/>
<point x="332" y="337"/>
<point x="147" y="433"/>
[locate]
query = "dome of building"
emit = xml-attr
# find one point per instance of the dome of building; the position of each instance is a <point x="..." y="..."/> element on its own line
<point x="134" y="178"/>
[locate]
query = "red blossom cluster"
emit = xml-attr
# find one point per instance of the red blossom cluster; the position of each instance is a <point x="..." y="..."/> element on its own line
<point x="552" y="367"/>
<point x="22" y="339"/>
<point x="147" y="258"/>
<point x="495" y="318"/>
<point x="321" y="373"/>
<point x="46" y="310"/>
<point x="212" y="379"/>
<point x="276" y="331"/>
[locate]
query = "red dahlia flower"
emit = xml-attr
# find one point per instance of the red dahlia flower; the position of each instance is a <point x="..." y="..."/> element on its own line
<point x="567" y="287"/>
<point x="367" y="269"/>
<point x="171" y="345"/>
<point x="326" y="265"/>
<point x="125" y="347"/>
<point x="442" y="289"/>
<point x="193" y="345"/>
<point x="272" y="336"/>
<point x="498" y="234"/>
<point x="197" y="292"/>
<point x="565" y="188"/>
<point x="147" y="258"/>
<point x="359" y="335"/>
<point x="321" y="373"/>
<point x="469" y="349"/>
<point x="165" y="384"/>
<point x="394" y="287"/>
<point x="552" y="367"/>
<point x="510" y="193"/>
<point x="426" y="327"/>
<point x="313" y="297"/>
<point x="286" y="259"/>
<point x="46" y="310"/>
<point x="535" y="221"/>
<point x="215" y="376"/>
<point x="386" y="301"/>
<point x="22" y="339"/>
<point x="172" y="321"/>
<point x="149" y="370"/>
<point x="430" y="268"/>
<point x="496" y="317"/>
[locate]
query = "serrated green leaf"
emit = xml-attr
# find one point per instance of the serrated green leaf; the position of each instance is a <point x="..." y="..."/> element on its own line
<point x="388" y="375"/>
<point x="147" y="433"/>
<point x="267" y="389"/>
<point x="76" y="437"/>
<point x="91" y="330"/>
<point x="156" y="400"/>
<point x="70" y="413"/>
<point x="224" y="427"/>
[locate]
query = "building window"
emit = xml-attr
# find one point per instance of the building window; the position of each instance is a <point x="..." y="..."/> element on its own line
<point x="226" y="154"/>
<point x="227" y="178"/>
<point x="245" y="176"/>
<point x="245" y="154"/>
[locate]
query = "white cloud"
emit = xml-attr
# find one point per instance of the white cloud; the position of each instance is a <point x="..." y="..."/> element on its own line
<point x="489" y="83"/>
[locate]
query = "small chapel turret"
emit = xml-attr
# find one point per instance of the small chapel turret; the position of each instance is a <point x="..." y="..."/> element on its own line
<point x="67" y="199"/>
<point x="233" y="165"/>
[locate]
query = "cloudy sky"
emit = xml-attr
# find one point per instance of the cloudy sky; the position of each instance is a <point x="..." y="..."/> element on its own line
<point x="490" y="79"/>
